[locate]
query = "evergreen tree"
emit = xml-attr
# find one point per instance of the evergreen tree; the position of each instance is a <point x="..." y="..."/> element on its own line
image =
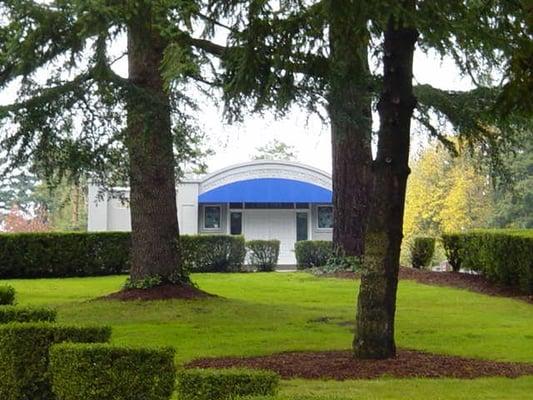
<point x="74" y="116"/>
<point x="275" y="150"/>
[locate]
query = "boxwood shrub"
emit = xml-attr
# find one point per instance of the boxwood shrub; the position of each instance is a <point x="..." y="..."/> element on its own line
<point x="421" y="251"/>
<point x="100" y="371"/>
<point x="213" y="253"/>
<point x="60" y="254"/>
<point x="24" y="347"/>
<point x="313" y="253"/>
<point x="26" y="314"/>
<point x="7" y="295"/>
<point x="223" y="384"/>
<point x="504" y="256"/>
<point x="263" y="254"/>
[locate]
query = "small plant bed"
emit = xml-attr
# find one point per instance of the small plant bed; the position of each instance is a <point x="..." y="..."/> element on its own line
<point x="472" y="282"/>
<point x="161" y="292"/>
<point x="341" y="365"/>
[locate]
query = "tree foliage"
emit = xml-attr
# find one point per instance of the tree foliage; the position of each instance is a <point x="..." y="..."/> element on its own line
<point x="275" y="150"/>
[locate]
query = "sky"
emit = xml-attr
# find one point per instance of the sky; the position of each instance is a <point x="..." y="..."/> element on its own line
<point x="308" y="135"/>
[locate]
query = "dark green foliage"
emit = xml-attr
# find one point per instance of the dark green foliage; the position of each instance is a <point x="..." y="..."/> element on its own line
<point x="24" y="356"/>
<point x="7" y="295"/>
<point x="42" y="255"/>
<point x="504" y="256"/>
<point x="100" y="371"/>
<point x="26" y="314"/>
<point x="212" y="253"/>
<point x="422" y="250"/>
<point x="223" y="384"/>
<point x="450" y="242"/>
<point x="313" y="253"/>
<point x="263" y="254"/>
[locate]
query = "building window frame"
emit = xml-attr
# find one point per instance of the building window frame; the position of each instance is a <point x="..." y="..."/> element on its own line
<point x="214" y="229"/>
<point x="318" y="227"/>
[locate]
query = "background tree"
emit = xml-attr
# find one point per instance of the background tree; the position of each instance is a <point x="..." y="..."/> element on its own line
<point x="275" y="150"/>
<point x="74" y="116"/>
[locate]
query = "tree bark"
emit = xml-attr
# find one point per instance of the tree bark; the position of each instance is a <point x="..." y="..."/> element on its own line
<point x="154" y="220"/>
<point x="350" y="113"/>
<point x="383" y="231"/>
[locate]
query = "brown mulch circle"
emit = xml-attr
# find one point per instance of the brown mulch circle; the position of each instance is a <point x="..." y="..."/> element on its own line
<point x="341" y="365"/>
<point x="162" y="292"/>
<point x="472" y="282"/>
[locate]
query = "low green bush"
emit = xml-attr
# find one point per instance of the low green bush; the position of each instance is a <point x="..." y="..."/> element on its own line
<point x="213" y="253"/>
<point x="61" y="254"/>
<point x="7" y="295"/>
<point x="421" y="251"/>
<point x="223" y="384"/>
<point x="24" y="356"/>
<point x="313" y="253"/>
<point x="26" y="314"/>
<point x="100" y="372"/>
<point x="263" y="254"/>
<point x="502" y="255"/>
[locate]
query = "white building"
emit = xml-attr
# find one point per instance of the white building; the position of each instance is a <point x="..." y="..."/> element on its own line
<point x="260" y="199"/>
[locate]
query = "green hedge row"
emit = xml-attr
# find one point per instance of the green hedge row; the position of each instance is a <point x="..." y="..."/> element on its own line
<point x="24" y="356"/>
<point x="421" y="251"/>
<point x="504" y="256"/>
<point x="313" y="253"/>
<point x="26" y="314"/>
<point x="264" y="254"/>
<point x="225" y="384"/>
<point x="44" y="255"/>
<point x="100" y="371"/>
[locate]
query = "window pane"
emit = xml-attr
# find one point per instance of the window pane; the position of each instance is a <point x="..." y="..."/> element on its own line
<point x="325" y="217"/>
<point x="236" y="223"/>
<point x="212" y="217"/>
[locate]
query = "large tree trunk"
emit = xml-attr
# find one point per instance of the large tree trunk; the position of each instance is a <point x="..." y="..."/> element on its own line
<point x="383" y="232"/>
<point x="154" y="220"/>
<point x="351" y="123"/>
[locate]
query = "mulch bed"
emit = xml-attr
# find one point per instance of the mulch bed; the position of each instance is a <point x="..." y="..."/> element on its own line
<point x="162" y="292"/>
<point x="472" y="282"/>
<point x="341" y="365"/>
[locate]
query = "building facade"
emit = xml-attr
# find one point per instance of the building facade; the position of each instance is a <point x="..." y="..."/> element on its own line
<point x="260" y="200"/>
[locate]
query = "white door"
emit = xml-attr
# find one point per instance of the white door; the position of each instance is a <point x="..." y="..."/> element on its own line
<point x="273" y="224"/>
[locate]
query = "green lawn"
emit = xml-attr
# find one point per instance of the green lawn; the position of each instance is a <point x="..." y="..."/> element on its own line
<point x="264" y="313"/>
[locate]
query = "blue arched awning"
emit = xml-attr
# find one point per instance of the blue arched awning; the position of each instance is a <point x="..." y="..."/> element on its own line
<point x="267" y="190"/>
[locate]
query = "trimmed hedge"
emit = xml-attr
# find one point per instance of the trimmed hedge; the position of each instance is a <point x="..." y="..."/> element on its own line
<point x="213" y="253"/>
<point x="61" y="254"/>
<point x="503" y="256"/>
<point x="313" y="253"/>
<point x="26" y="314"/>
<point x="7" y="295"/>
<point x="100" y="371"/>
<point x="223" y="384"/>
<point x="24" y="356"/>
<point x="264" y="254"/>
<point x="422" y="250"/>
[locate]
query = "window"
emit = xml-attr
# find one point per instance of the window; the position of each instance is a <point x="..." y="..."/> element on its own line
<point x="212" y="217"/>
<point x="235" y="223"/>
<point x="301" y="226"/>
<point x="325" y="217"/>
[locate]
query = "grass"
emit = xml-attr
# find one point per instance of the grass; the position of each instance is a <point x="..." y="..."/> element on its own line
<point x="264" y="313"/>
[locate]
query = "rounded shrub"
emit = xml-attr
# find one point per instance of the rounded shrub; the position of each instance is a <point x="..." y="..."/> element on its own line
<point x="225" y="384"/>
<point x="99" y="371"/>
<point x="7" y="295"/>
<point x="263" y="254"/>
<point x="313" y="253"/>
<point x="422" y="250"/>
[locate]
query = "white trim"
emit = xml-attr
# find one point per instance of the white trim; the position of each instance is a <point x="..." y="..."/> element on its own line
<point x="318" y="228"/>
<point x="219" y="229"/>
